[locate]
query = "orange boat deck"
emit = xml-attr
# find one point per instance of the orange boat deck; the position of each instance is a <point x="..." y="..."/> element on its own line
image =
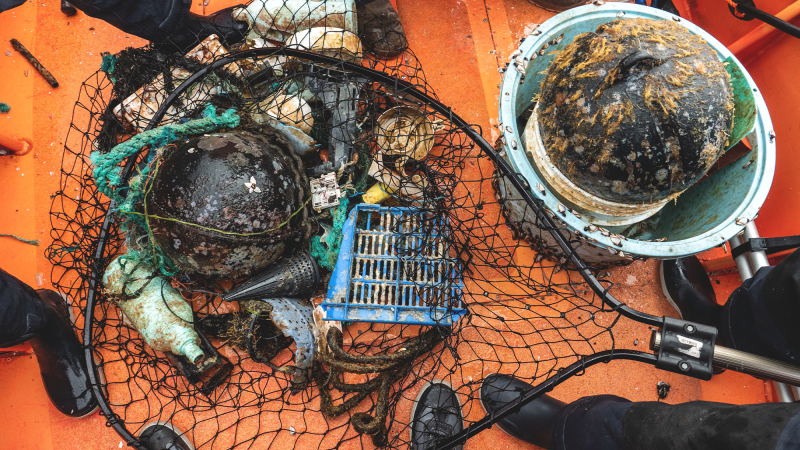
<point x="461" y="45"/>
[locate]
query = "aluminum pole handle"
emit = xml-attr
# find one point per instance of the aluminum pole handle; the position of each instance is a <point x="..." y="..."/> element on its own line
<point x="757" y="366"/>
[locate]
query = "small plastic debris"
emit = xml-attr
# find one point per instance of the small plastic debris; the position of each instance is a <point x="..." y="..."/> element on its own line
<point x="291" y="430"/>
<point x="295" y="318"/>
<point x="663" y="389"/>
<point x="325" y="192"/>
<point x="4" y="107"/>
<point x="39" y="279"/>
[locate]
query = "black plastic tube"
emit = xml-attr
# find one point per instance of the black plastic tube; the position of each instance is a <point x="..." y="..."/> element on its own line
<point x="769" y="19"/>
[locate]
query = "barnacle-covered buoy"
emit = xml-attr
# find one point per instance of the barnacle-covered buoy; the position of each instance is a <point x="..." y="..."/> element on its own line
<point x="218" y="202"/>
<point x="635" y="112"/>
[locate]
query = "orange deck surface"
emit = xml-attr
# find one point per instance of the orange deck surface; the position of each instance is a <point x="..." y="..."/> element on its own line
<point x="460" y="44"/>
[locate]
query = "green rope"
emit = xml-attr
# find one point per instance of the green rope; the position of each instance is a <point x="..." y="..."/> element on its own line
<point x="4" y="107"/>
<point x="326" y="254"/>
<point x="108" y="65"/>
<point x="107" y="172"/>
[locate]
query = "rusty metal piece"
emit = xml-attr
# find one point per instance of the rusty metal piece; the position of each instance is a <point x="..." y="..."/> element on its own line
<point x="34" y="62"/>
<point x="295" y="319"/>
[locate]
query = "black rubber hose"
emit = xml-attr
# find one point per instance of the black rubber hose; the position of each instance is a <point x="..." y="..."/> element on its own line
<point x="769" y="19"/>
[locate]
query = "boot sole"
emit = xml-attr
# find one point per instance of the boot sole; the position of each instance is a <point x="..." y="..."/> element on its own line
<point x="666" y="291"/>
<point x="175" y="430"/>
<point x="419" y="396"/>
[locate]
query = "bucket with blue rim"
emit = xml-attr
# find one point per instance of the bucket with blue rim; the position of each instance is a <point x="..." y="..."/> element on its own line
<point x="704" y="216"/>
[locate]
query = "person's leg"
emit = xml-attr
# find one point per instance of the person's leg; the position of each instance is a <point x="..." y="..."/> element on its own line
<point x="166" y="23"/>
<point x="688" y="289"/>
<point x="591" y="423"/>
<point x="435" y="416"/>
<point x="761" y="316"/>
<point x="711" y="426"/>
<point x="380" y="28"/>
<point x="607" y="422"/>
<point x="41" y="317"/>
<point x="153" y="20"/>
<point x="21" y="312"/>
<point x="5" y="5"/>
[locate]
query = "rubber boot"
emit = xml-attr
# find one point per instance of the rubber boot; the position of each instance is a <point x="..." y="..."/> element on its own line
<point x="380" y="29"/>
<point x="688" y="289"/>
<point x="196" y="28"/>
<point x="49" y="330"/>
<point x="163" y="436"/>
<point x="534" y="421"/>
<point x="436" y="416"/>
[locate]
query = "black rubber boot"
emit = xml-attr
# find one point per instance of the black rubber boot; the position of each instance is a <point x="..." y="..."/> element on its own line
<point x="534" y="422"/>
<point x="196" y="28"/>
<point x="42" y="318"/>
<point x="688" y="289"/>
<point x="164" y="436"/>
<point x="62" y="359"/>
<point x="380" y="29"/>
<point x="436" y="415"/>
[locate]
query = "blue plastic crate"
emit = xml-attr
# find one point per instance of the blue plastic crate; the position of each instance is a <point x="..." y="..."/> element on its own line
<point x="395" y="267"/>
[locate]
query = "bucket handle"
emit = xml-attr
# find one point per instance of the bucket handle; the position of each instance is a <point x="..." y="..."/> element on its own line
<point x="639" y="58"/>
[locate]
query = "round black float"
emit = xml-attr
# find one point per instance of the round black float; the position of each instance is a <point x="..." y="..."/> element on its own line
<point x="637" y="111"/>
<point x="223" y="202"/>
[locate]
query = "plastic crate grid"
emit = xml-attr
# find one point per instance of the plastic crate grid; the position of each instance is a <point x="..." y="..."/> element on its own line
<point x="395" y="267"/>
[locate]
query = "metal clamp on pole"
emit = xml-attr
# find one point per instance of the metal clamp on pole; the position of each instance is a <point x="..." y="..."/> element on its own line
<point x="685" y="347"/>
<point x="728" y="358"/>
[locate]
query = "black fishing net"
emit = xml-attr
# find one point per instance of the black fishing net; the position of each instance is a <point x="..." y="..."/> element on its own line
<point x="375" y="122"/>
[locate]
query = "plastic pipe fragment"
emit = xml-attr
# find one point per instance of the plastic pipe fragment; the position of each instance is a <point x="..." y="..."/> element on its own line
<point x="17" y="146"/>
